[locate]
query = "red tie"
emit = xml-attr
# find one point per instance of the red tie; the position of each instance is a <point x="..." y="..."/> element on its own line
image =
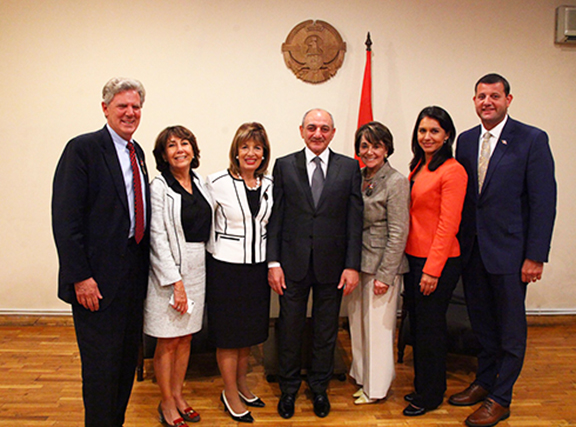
<point x="138" y="202"/>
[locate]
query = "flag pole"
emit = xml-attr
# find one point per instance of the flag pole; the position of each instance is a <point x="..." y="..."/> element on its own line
<point x="365" y="111"/>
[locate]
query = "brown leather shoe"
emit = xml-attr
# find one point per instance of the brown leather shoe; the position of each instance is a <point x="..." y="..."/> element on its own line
<point x="471" y="396"/>
<point x="488" y="414"/>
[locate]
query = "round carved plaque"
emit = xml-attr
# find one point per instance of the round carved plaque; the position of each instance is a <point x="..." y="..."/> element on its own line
<point x="314" y="51"/>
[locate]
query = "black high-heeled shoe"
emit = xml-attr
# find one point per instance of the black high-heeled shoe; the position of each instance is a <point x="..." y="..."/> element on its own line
<point x="178" y="422"/>
<point x="189" y="415"/>
<point x="255" y="402"/>
<point x="245" y="417"/>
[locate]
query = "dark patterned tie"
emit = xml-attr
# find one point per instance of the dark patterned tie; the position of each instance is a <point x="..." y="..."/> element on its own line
<point x="317" y="180"/>
<point x="138" y="202"/>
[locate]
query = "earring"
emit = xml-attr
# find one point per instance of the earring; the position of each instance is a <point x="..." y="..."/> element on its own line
<point x="236" y="157"/>
<point x="263" y="157"/>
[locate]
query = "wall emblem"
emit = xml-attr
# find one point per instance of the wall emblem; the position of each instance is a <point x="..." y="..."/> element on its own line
<point x="314" y="51"/>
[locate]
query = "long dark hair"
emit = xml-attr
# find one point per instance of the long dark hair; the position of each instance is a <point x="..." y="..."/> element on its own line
<point x="445" y="152"/>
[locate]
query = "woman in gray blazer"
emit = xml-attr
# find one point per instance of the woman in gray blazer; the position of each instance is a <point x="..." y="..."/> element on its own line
<point x="179" y="228"/>
<point x="372" y="307"/>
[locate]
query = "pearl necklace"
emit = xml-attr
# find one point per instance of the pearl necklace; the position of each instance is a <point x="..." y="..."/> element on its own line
<point x="247" y="186"/>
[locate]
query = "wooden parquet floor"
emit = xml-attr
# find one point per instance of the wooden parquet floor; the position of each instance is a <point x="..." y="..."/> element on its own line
<point x="40" y="383"/>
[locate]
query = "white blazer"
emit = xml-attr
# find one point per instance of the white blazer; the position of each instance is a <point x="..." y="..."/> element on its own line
<point x="166" y="233"/>
<point x="235" y="233"/>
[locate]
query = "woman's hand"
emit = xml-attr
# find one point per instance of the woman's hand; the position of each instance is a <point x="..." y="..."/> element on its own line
<point x="380" y="288"/>
<point x="180" y="299"/>
<point x="428" y="284"/>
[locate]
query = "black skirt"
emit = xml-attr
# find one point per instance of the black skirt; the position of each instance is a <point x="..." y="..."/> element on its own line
<point x="238" y="302"/>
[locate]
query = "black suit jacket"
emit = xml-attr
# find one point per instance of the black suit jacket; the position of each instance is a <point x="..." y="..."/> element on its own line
<point x="513" y="216"/>
<point x="333" y="230"/>
<point x="90" y="217"/>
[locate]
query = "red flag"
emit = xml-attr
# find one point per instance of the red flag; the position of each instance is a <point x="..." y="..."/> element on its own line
<point x="365" y="112"/>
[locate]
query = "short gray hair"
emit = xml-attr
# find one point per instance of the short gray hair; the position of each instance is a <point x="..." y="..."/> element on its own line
<point x="318" y="109"/>
<point x="119" y="84"/>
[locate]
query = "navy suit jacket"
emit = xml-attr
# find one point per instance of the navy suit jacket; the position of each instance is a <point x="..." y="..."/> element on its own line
<point x="90" y="217"/>
<point x="332" y="230"/>
<point x="514" y="215"/>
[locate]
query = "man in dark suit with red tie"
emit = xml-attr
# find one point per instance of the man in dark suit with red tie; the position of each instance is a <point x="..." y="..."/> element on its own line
<point x="505" y="235"/>
<point x="100" y="212"/>
<point x="314" y="242"/>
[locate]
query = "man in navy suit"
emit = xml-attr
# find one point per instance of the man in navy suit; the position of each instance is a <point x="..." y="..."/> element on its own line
<point x="505" y="234"/>
<point x="314" y="242"/>
<point x="100" y="212"/>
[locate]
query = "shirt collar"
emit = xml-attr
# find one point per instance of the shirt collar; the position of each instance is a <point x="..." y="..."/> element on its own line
<point x="496" y="131"/>
<point x="324" y="155"/>
<point x="117" y="139"/>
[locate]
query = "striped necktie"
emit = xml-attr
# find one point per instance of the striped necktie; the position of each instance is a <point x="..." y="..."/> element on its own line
<point x="138" y="202"/>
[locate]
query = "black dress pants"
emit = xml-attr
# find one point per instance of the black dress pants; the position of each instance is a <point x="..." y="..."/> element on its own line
<point x="108" y="341"/>
<point x="326" y="298"/>
<point x="428" y="330"/>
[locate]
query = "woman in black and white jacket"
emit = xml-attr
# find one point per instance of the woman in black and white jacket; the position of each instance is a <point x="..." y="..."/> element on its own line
<point x="237" y="292"/>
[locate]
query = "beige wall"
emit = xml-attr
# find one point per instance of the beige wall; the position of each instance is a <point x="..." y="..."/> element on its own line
<point x="212" y="65"/>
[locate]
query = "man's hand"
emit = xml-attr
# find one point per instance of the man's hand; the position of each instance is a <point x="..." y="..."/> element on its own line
<point x="88" y="294"/>
<point x="532" y="270"/>
<point x="276" y="280"/>
<point x="349" y="280"/>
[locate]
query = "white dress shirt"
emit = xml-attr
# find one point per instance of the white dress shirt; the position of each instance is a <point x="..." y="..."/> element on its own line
<point x="311" y="166"/>
<point x="495" y="133"/>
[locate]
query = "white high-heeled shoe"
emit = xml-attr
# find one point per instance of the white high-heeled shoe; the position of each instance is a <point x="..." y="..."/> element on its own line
<point x="363" y="400"/>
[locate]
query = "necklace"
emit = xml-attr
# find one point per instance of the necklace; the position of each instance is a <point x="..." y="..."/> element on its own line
<point x="255" y="187"/>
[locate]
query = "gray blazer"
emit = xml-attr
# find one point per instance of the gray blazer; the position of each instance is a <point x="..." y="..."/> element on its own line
<point x="386" y="223"/>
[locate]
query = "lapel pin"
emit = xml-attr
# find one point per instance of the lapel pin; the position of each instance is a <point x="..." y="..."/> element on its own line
<point x="504" y="142"/>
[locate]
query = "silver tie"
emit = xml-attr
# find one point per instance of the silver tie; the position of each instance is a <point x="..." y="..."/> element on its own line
<point x="317" y="180"/>
<point x="483" y="160"/>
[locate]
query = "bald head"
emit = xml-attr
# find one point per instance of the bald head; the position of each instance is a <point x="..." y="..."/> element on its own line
<point x="317" y="130"/>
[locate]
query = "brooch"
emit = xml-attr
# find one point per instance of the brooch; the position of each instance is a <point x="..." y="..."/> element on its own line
<point x="370" y="189"/>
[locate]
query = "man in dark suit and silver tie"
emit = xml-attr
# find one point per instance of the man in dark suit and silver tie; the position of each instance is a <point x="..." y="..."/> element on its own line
<point x="505" y="235"/>
<point x="314" y="242"/>
<point x="100" y="212"/>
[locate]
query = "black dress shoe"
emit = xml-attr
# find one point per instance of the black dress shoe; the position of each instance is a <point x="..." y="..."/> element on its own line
<point x="321" y="405"/>
<point x="244" y="417"/>
<point x="286" y="405"/>
<point x="410" y="397"/>
<point x="255" y="402"/>
<point x="413" y="411"/>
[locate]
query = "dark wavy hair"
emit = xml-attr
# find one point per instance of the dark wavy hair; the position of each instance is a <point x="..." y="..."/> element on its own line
<point x="162" y="139"/>
<point x="445" y="152"/>
<point x="374" y="132"/>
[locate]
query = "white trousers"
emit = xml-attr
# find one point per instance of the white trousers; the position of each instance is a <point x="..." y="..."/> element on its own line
<point x="372" y="326"/>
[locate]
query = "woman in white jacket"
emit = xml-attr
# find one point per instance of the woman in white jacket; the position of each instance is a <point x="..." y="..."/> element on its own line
<point x="179" y="228"/>
<point x="238" y="295"/>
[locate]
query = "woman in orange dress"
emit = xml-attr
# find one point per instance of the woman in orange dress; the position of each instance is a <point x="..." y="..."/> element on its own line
<point x="438" y="184"/>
